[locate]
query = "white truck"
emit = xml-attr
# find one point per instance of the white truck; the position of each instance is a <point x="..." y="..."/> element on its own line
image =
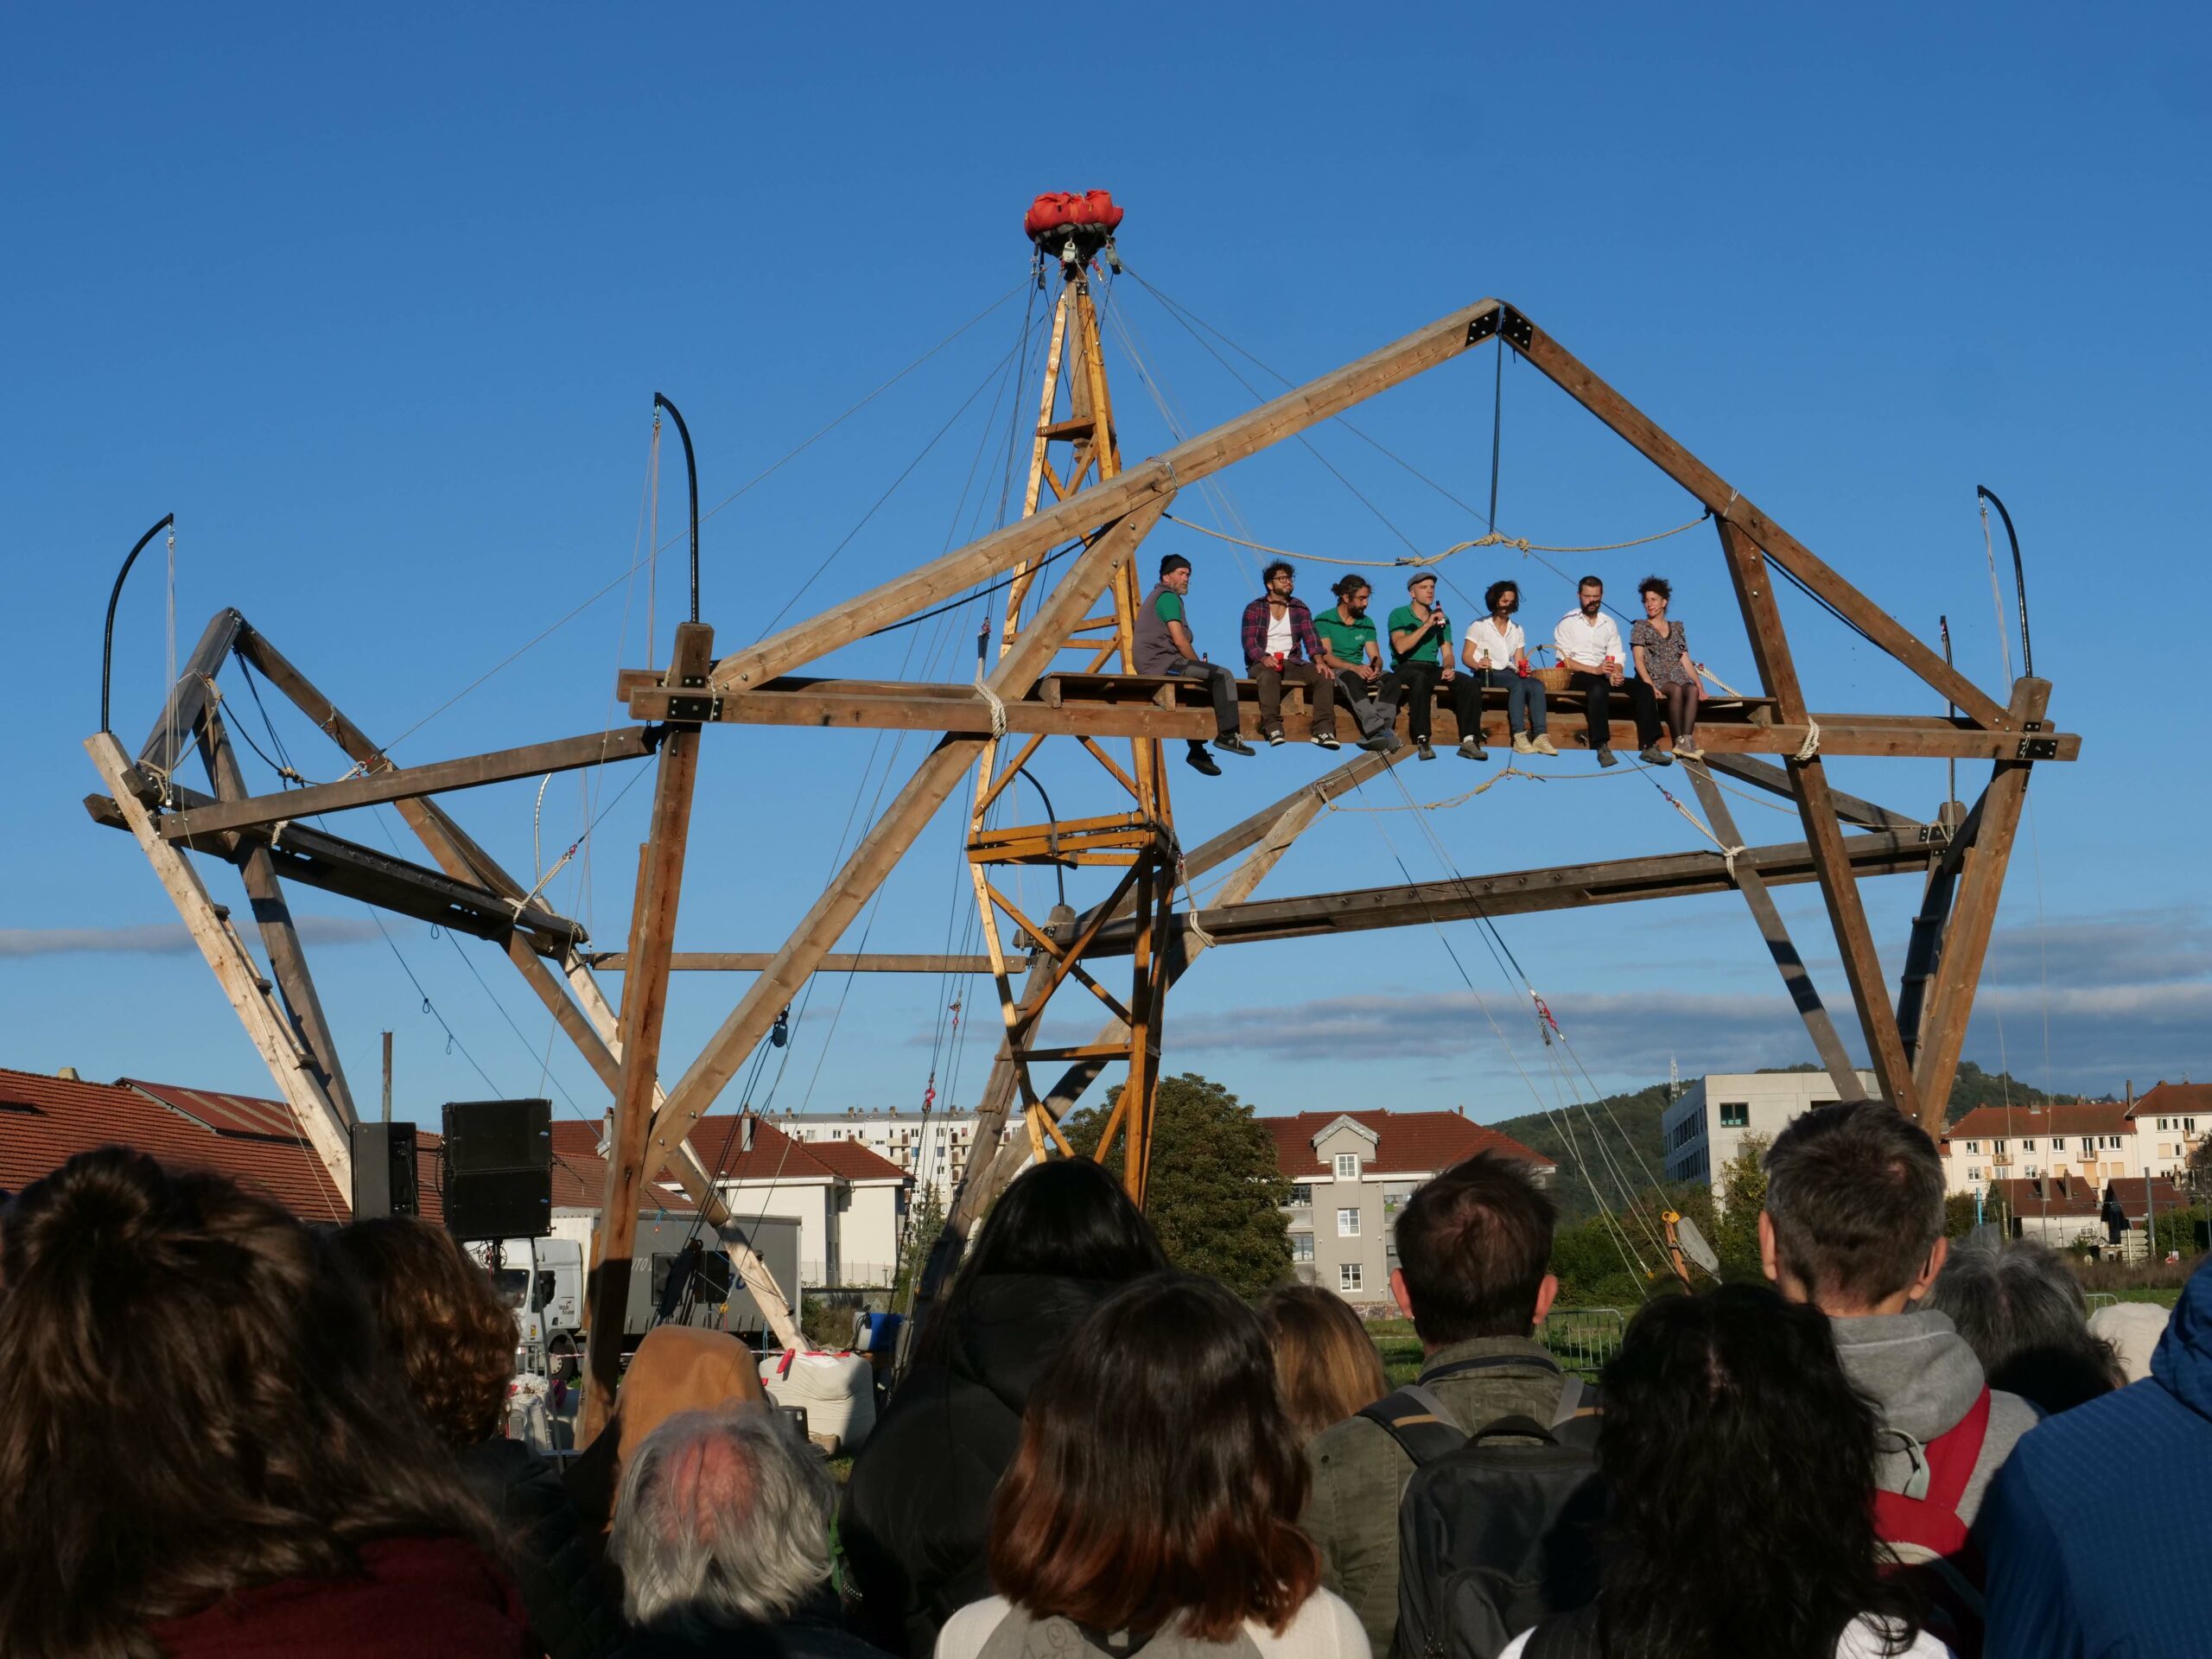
<point x="543" y="1279"/>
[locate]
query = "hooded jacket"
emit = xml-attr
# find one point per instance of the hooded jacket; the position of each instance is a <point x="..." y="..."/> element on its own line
<point x="1922" y="1378"/>
<point x="2094" y="1531"/>
<point x="917" y="1511"/>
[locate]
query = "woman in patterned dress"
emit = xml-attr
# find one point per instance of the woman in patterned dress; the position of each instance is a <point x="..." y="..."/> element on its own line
<point x="1662" y="661"/>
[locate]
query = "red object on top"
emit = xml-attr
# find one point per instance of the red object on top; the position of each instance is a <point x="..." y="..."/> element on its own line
<point x="1057" y="210"/>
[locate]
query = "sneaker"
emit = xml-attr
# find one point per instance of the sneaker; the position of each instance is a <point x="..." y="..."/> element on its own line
<point x="1233" y="744"/>
<point x="1326" y="740"/>
<point x="1471" y="750"/>
<point x="1425" y="752"/>
<point x="1655" y="756"/>
<point x="1200" y="760"/>
<point x="1381" y="743"/>
<point x="1522" y="745"/>
<point x="1544" y="745"/>
<point x="1607" y="758"/>
<point x="1274" y="740"/>
<point x="1688" y="751"/>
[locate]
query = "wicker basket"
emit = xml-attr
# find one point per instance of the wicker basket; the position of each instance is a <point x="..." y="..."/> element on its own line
<point x="1552" y="679"/>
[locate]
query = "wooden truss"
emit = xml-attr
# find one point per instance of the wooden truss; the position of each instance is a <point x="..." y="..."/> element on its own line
<point x="1086" y="515"/>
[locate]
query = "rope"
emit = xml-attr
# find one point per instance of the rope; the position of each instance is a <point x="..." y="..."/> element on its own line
<point x="1810" y="748"/>
<point x="1717" y="680"/>
<point x="1192" y="930"/>
<point x="1489" y="540"/>
<point x="1727" y="852"/>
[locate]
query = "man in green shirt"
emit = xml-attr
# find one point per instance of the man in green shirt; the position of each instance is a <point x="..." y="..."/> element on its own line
<point x="1421" y="643"/>
<point x="1164" y="646"/>
<point x="1349" y="651"/>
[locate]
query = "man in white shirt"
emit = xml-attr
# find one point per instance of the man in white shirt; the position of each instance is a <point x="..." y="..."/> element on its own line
<point x="1589" y="647"/>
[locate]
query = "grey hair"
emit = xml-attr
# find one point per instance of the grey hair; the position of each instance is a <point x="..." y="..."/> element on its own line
<point x="723" y="1519"/>
<point x="2021" y="1310"/>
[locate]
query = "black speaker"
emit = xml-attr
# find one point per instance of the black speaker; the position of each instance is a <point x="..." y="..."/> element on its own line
<point x="497" y="1135"/>
<point x="502" y="1203"/>
<point x="383" y="1170"/>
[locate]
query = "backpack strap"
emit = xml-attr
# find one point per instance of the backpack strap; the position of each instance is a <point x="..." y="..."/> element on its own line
<point x="1420" y="1423"/>
<point x="1491" y="1362"/>
<point x="1953" y="1454"/>
<point x="1570" y="1400"/>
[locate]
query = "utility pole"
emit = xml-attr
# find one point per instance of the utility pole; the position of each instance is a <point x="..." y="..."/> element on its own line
<point x="387" y="1077"/>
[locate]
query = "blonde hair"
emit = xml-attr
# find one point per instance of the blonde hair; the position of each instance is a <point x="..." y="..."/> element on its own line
<point x="1326" y="1366"/>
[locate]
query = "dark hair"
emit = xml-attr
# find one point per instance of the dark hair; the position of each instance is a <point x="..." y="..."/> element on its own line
<point x="1326" y="1366"/>
<point x="1490" y="593"/>
<point x="1474" y="1245"/>
<point x="1345" y="585"/>
<point x="1741" y="1464"/>
<point x="1273" y="566"/>
<point x="1855" y="1192"/>
<point x="442" y="1319"/>
<point x="1158" y="1478"/>
<point x="1599" y="583"/>
<point x="1171" y="561"/>
<point x="1067" y="1219"/>
<point x="2021" y="1310"/>
<point x="193" y="1401"/>
<point x="1658" y="585"/>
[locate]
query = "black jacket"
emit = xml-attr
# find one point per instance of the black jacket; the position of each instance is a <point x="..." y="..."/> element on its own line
<point x="807" y="1634"/>
<point x="917" y="1511"/>
<point x="574" y="1609"/>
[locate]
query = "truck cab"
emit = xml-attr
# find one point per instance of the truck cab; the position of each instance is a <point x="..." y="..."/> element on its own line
<point x="543" y="1280"/>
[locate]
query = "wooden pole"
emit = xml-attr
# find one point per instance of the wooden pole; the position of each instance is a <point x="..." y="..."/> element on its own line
<point x="645" y="1004"/>
<point x="1925" y="944"/>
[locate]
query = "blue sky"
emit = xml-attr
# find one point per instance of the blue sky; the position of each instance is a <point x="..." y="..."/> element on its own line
<point x="376" y="304"/>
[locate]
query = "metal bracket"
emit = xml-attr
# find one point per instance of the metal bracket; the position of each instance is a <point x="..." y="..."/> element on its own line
<point x="2037" y="748"/>
<point x="693" y="711"/>
<point x="1519" y="332"/>
<point x="1483" y="328"/>
<point x="1935" y="835"/>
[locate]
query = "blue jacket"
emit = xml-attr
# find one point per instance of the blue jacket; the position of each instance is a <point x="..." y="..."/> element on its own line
<point x="2096" y="1530"/>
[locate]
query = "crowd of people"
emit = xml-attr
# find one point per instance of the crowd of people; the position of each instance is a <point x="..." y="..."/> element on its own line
<point x="224" y="1431"/>
<point x="1336" y="657"/>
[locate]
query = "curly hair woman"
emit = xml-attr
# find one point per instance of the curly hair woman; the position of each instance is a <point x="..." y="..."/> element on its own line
<point x="1157" y="1490"/>
<point x="203" y="1448"/>
<point x="1741" y="1464"/>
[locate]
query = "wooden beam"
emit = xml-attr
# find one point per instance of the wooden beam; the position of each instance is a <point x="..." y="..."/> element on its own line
<point x="645" y="1005"/>
<point x="837" y="962"/>
<point x="279" y="938"/>
<point x="272" y="1036"/>
<point x="387" y="782"/>
<point x="191" y="698"/>
<point x="1765" y="774"/>
<point x="887" y="841"/>
<point x="1924" y="947"/>
<point x="1644" y="435"/>
<point x="1795" y="980"/>
<point x="1973" y="916"/>
<point x="1148" y="483"/>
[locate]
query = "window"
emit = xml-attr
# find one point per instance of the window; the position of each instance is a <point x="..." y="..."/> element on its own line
<point x="2028" y="1145"/>
<point x="2162" y="1126"/>
<point x="2189" y="1126"/>
<point x="1347" y="1224"/>
<point x="1347" y="1166"/>
<point x="1394" y="1199"/>
<point x="1302" y="1247"/>
<point x="1350" y="1278"/>
<point x="2111" y="1143"/>
<point x="1999" y="1147"/>
<point x="2033" y="1172"/>
<point x="1975" y="1146"/>
<point x="1301" y="1195"/>
<point x="1735" y="1114"/>
<point x="1973" y="1174"/>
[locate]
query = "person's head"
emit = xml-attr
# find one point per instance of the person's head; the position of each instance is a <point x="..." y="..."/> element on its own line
<point x="1279" y="578"/>
<point x="1158" y="1476"/>
<point x="440" y="1318"/>
<point x="1655" y="591"/>
<point x="1729" y="1420"/>
<point x="193" y="1401"/>
<point x="1326" y="1365"/>
<point x="1474" y="1249"/>
<point x="1590" y="594"/>
<point x="1854" y="1210"/>
<point x="1353" y="594"/>
<point x="1422" y="588"/>
<point x="1502" y="599"/>
<point x="1175" y="574"/>
<point x="723" y="1520"/>
<point x="2021" y="1310"/>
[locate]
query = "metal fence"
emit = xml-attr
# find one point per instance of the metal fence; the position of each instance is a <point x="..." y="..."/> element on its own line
<point x="1584" y="1338"/>
<point x="2098" y="1298"/>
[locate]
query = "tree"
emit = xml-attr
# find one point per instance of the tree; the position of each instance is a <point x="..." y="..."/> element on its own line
<point x="2196" y="1179"/>
<point x="922" y="1229"/>
<point x="1742" y="1195"/>
<point x="1216" y="1194"/>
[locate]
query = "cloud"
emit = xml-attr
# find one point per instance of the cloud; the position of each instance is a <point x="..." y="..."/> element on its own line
<point x="161" y="938"/>
<point x="2137" y="947"/>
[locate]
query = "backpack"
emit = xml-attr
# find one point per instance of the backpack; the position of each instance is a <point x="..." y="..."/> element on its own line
<point x="1930" y="1542"/>
<point x="1492" y="1536"/>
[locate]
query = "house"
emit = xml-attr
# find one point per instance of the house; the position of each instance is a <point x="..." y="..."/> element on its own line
<point x="2065" y="1210"/>
<point x="2091" y="1143"/>
<point x="1349" y="1175"/>
<point x="1708" y="1125"/>
<point x="932" y="1147"/>
<point x="2175" y="1117"/>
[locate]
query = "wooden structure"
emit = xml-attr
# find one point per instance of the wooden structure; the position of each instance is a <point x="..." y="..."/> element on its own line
<point x="1085" y="518"/>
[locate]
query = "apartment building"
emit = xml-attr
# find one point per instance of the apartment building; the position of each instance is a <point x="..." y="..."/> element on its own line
<point x="932" y="1150"/>
<point x="1351" y="1173"/>
<point x="1708" y="1125"/>
<point x="2089" y="1143"/>
<point x="2173" y="1118"/>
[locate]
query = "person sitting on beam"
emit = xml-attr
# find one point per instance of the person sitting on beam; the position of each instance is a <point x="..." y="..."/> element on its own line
<point x="1589" y="647"/>
<point x="1165" y="646"/>
<point x="1420" y="643"/>
<point x="1279" y="646"/>
<point x="1353" y="658"/>
<point x="1495" y="652"/>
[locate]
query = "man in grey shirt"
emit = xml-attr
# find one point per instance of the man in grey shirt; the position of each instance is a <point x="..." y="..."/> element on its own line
<point x="1165" y="646"/>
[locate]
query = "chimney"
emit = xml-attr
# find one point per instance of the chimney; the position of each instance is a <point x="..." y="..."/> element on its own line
<point x="69" y="1074"/>
<point x="745" y="1142"/>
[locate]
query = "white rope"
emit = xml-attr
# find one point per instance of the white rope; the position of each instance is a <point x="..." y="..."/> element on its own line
<point x="1726" y="688"/>
<point x="1997" y="594"/>
<point x="1810" y="748"/>
<point x="1727" y="852"/>
<point x="998" y="705"/>
<point x="1193" y="930"/>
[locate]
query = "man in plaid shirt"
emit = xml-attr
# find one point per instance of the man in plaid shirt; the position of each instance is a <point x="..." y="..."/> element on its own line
<point x="1280" y="645"/>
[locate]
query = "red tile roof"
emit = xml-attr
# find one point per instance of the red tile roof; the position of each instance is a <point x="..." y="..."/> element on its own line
<point x="2066" y="1117"/>
<point x="2069" y="1195"/>
<point x="1407" y="1143"/>
<point x="580" y="1174"/>
<point x="2175" y="1100"/>
<point x="854" y="1161"/>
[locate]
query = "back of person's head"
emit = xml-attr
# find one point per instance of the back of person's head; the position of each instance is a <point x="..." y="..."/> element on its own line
<point x="193" y="1401"/>
<point x="1854" y="1193"/>
<point x="1158" y="1478"/>
<point x="1741" y="1464"/>
<point x="442" y="1319"/>
<point x="723" y="1520"/>
<point x="2021" y="1310"/>
<point x="1326" y="1366"/>
<point x="1474" y="1246"/>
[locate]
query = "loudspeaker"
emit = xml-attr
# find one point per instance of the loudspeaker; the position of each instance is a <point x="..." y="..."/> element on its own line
<point x="498" y="1158"/>
<point x="496" y="1135"/>
<point x="383" y="1170"/>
